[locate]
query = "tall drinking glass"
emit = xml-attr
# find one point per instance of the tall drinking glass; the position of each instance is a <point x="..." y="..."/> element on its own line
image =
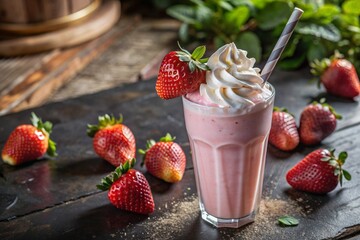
<point x="228" y="152"/>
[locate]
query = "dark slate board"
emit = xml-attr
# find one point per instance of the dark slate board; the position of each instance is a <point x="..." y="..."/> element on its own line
<point x="57" y="198"/>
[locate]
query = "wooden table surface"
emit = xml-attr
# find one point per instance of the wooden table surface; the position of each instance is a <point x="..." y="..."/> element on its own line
<point x="57" y="198"/>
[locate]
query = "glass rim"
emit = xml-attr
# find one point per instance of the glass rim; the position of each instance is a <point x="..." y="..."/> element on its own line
<point x="215" y="108"/>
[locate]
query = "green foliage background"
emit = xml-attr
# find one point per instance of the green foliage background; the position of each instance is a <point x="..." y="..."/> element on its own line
<point x="255" y="25"/>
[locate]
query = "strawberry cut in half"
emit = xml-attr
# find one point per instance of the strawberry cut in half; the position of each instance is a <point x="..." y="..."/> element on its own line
<point x="317" y="121"/>
<point x="338" y="76"/>
<point x="181" y="72"/>
<point x="128" y="189"/>
<point x="319" y="172"/>
<point x="164" y="159"/>
<point x="29" y="142"/>
<point x="112" y="140"/>
<point x="284" y="133"/>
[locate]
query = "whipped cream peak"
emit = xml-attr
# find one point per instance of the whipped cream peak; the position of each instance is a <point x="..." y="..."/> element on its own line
<point x="233" y="81"/>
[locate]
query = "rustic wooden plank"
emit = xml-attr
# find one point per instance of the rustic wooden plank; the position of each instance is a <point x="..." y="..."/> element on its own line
<point x="75" y="208"/>
<point x="36" y="85"/>
<point x="15" y="70"/>
<point x="126" y="60"/>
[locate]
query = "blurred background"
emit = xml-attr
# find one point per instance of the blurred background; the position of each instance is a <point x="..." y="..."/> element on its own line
<point x="56" y="50"/>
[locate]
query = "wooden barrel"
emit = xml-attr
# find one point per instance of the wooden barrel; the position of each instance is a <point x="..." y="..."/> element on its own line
<point x="38" y="16"/>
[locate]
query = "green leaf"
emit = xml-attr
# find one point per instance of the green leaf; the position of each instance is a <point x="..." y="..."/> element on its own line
<point x="218" y="42"/>
<point x="192" y="66"/>
<point x="290" y="48"/>
<point x="184" y="32"/>
<point x="183" y="13"/>
<point x="250" y="42"/>
<point x="258" y="3"/>
<point x="275" y="13"/>
<point x="203" y="14"/>
<point x="327" y="13"/>
<point x="328" y="32"/>
<point x="316" y="51"/>
<point x="347" y="175"/>
<point x="236" y="18"/>
<point x="351" y="7"/>
<point x="101" y="187"/>
<point x="225" y="5"/>
<point x="342" y="157"/>
<point x="167" y="138"/>
<point x="288" y="221"/>
<point x="292" y="63"/>
<point x="51" y="151"/>
<point x="198" y="52"/>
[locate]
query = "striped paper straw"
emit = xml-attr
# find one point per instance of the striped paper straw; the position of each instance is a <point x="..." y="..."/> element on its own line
<point x="281" y="44"/>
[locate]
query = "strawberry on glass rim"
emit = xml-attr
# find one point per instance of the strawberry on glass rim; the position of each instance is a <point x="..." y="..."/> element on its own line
<point x="181" y="72"/>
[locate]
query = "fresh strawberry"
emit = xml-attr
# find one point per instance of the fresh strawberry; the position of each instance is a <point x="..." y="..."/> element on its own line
<point x="319" y="172"/>
<point x="283" y="134"/>
<point x="317" y="121"/>
<point x="113" y="141"/>
<point x="29" y="142"/>
<point x="338" y="76"/>
<point x="181" y="72"/>
<point x="128" y="189"/>
<point x="164" y="159"/>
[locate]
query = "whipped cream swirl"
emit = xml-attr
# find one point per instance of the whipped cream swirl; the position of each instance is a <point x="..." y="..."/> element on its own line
<point x="233" y="81"/>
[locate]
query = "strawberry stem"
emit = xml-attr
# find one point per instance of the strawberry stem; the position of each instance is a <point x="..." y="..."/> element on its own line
<point x="103" y="122"/>
<point x="194" y="59"/>
<point x="107" y="181"/>
<point x="46" y="128"/>
<point x="323" y="103"/>
<point x="337" y="163"/>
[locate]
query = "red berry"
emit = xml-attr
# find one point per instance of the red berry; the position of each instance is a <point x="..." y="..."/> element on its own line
<point x="29" y="142"/>
<point x="319" y="172"/>
<point x="283" y="134"/>
<point x="165" y="159"/>
<point x="113" y="141"/>
<point x="128" y="189"/>
<point x="338" y="76"/>
<point x="180" y="73"/>
<point x="317" y="121"/>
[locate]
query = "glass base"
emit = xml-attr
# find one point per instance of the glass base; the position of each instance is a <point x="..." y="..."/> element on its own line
<point x="226" y="222"/>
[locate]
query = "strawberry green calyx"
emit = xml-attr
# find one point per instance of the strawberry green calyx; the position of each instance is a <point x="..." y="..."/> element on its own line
<point x="104" y="121"/>
<point x="167" y="138"/>
<point x="194" y="59"/>
<point x="282" y="109"/>
<point x="319" y="66"/>
<point x="337" y="163"/>
<point x="46" y="128"/>
<point x="150" y="143"/>
<point x="326" y="105"/>
<point x="107" y="181"/>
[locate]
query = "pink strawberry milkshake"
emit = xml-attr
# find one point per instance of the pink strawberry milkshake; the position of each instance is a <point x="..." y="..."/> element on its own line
<point x="228" y="122"/>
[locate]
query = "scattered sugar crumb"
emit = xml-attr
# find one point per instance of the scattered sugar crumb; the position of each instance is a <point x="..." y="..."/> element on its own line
<point x="267" y="218"/>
